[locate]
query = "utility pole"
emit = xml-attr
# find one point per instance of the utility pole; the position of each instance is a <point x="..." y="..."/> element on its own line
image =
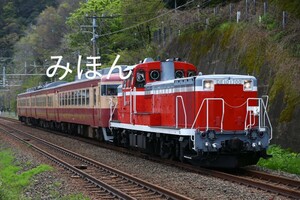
<point x="95" y="36"/>
<point x="94" y="30"/>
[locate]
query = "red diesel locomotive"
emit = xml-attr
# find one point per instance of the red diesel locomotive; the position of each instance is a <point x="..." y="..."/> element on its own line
<point x="165" y="109"/>
<point x="208" y="120"/>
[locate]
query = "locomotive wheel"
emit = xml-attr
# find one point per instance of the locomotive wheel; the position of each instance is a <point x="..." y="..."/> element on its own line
<point x="166" y="150"/>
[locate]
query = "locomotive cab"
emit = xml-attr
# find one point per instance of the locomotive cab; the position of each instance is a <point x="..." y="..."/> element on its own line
<point x="136" y="102"/>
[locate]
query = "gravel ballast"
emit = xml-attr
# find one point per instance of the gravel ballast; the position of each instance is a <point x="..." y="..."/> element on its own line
<point x="187" y="183"/>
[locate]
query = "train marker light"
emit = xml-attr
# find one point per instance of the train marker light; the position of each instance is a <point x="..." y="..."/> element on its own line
<point x="247" y="85"/>
<point x="208" y="85"/>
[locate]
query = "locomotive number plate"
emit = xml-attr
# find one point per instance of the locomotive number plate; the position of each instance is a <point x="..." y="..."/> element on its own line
<point x="229" y="81"/>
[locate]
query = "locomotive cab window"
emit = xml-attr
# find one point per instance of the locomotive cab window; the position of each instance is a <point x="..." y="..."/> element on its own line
<point x="154" y="75"/>
<point x="140" y="79"/>
<point x="191" y="73"/>
<point x="179" y="74"/>
<point x="109" y="90"/>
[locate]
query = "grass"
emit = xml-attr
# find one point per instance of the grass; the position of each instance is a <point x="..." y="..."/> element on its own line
<point x="13" y="180"/>
<point x="283" y="160"/>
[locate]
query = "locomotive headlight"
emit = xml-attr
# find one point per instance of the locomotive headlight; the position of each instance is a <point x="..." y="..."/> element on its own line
<point x="208" y="85"/>
<point x="247" y="85"/>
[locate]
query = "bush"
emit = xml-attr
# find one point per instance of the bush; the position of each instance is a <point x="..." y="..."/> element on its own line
<point x="283" y="159"/>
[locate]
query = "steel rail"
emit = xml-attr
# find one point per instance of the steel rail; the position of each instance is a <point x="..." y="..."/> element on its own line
<point x="111" y="190"/>
<point x="156" y="189"/>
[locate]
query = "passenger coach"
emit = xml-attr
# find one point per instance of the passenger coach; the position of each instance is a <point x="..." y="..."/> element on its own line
<point x="80" y="107"/>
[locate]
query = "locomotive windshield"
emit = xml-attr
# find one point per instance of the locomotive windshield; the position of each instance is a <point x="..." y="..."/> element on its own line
<point x="109" y="90"/>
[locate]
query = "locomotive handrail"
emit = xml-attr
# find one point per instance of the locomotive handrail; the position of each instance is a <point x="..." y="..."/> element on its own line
<point x="130" y="105"/>
<point x="262" y="115"/>
<point x="255" y="112"/>
<point x="134" y="100"/>
<point x="207" y="111"/>
<point x="184" y="111"/>
<point x="266" y="104"/>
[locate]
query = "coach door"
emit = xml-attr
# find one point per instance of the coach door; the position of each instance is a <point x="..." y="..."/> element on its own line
<point x="96" y="110"/>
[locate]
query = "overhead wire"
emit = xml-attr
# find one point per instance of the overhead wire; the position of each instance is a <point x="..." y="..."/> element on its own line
<point x="147" y="21"/>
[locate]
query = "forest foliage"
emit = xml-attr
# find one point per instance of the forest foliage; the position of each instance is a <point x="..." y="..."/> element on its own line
<point x="33" y="31"/>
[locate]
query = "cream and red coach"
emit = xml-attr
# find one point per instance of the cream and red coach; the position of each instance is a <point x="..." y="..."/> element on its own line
<point x="79" y="107"/>
<point x="209" y="120"/>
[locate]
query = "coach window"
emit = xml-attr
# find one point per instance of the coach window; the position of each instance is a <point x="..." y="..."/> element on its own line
<point x="72" y="98"/>
<point x="44" y="101"/>
<point x="87" y="97"/>
<point x="109" y="90"/>
<point x="68" y="98"/>
<point x="103" y="90"/>
<point x="95" y="97"/>
<point x="65" y="99"/>
<point x="76" y="97"/>
<point x="83" y="97"/>
<point x="60" y="99"/>
<point x="79" y="97"/>
<point x="62" y="96"/>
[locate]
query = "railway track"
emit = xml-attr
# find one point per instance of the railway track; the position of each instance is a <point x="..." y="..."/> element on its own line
<point x="275" y="184"/>
<point x="103" y="181"/>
